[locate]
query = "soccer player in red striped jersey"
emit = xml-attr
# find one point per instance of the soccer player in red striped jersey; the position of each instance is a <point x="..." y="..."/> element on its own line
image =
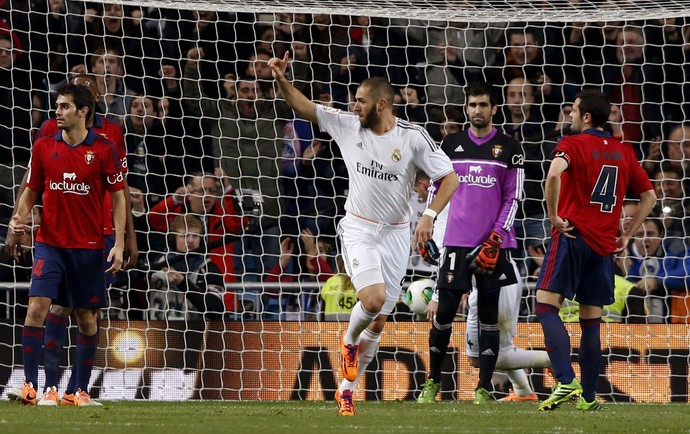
<point x="590" y="174"/>
<point x="72" y="171"/>
<point x="58" y="317"/>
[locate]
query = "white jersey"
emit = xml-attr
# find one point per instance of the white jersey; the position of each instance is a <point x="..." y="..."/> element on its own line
<point x="381" y="168"/>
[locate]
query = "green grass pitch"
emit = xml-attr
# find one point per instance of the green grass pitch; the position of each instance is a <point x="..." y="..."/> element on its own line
<point x="296" y="417"/>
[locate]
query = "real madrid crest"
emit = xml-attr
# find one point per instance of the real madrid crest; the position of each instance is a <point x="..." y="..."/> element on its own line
<point x="89" y="157"/>
<point x="355" y="263"/>
<point x="496" y="151"/>
<point x="397" y="155"/>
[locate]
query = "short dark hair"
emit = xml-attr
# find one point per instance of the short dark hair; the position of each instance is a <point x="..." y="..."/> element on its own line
<point x="597" y="104"/>
<point x="380" y="88"/>
<point x="420" y="175"/>
<point x="479" y="88"/>
<point x="81" y="95"/>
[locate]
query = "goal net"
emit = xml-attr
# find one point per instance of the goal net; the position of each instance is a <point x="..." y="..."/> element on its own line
<point x="238" y="292"/>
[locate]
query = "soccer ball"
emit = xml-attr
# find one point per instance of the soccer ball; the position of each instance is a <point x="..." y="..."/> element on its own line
<point x="419" y="294"/>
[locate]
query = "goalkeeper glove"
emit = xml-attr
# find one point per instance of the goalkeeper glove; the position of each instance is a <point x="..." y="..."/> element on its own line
<point x="429" y="252"/>
<point x="484" y="257"/>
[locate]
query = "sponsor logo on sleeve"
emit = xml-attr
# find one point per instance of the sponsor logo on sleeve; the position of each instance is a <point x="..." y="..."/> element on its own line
<point x="115" y="178"/>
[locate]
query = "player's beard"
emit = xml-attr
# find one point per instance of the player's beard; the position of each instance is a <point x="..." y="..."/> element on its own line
<point x="480" y="123"/>
<point x="370" y="119"/>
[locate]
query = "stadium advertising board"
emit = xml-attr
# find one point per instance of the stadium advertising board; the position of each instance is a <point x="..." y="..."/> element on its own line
<point x="291" y="360"/>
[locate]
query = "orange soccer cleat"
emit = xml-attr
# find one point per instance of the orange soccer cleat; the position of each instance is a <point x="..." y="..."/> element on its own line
<point x="83" y="399"/>
<point x="346" y="406"/>
<point x="67" y="399"/>
<point x="349" y="360"/>
<point x="25" y="394"/>
<point x="513" y="397"/>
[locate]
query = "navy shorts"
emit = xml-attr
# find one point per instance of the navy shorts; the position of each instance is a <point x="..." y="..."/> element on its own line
<point x="571" y="268"/>
<point x="70" y="277"/>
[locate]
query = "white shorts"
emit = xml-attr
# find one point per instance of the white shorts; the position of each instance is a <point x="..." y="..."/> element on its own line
<point x="508" y="312"/>
<point x="375" y="253"/>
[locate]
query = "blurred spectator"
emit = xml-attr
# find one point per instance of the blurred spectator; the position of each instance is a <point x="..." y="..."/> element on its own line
<point x="672" y="203"/>
<point x="145" y="150"/>
<point x="185" y="146"/>
<point x="203" y="197"/>
<point x="308" y="264"/>
<point x="338" y="294"/>
<point x="524" y="58"/>
<point x="247" y="136"/>
<point x="186" y="284"/>
<point x="15" y="129"/>
<point x="63" y="46"/>
<point x="372" y="48"/>
<point x="633" y="81"/>
<point x="455" y="54"/>
<point x="667" y="41"/>
<point x="224" y="38"/>
<point x="127" y="295"/>
<point x="524" y="123"/>
<point x="289" y="27"/>
<point x="656" y="268"/>
<point x="114" y="27"/>
<point x="523" y="119"/>
<point x="325" y="31"/>
<point x="452" y="121"/>
<point x="411" y="105"/>
<point x="257" y="68"/>
<point x="321" y="182"/>
<point x="106" y="65"/>
<point x="677" y="151"/>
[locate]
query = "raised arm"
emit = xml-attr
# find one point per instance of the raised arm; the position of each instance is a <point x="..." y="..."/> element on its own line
<point x="303" y="107"/>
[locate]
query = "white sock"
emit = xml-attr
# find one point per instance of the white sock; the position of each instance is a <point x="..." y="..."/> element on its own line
<point x="368" y="346"/>
<point x="360" y="318"/>
<point x="517" y="358"/>
<point x="520" y="383"/>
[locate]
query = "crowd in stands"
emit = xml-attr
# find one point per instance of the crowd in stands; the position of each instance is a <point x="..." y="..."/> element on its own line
<point x="224" y="176"/>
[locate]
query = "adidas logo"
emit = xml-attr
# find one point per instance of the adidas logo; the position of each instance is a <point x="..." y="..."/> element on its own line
<point x="56" y="155"/>
<point x="488" y="352"/>
<point x="459" y="149"/>
<point x="434" y="350"/>
<point x="359" y="145"/>
<point x="502" y="277"/>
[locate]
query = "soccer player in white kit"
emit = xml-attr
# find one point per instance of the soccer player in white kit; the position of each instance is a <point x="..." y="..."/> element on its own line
<point x="381" y="153"/>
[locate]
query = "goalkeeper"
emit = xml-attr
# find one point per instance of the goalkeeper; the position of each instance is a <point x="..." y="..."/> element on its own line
<point x="479" y="234"/>
<point x="511" y="359"/>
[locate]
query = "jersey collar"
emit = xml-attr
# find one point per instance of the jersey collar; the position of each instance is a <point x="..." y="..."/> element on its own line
<point x="481" y="141"/>
<point x="97" y="121"/>
<point x="90" y="138"/>
<point x="598" y="133"/>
